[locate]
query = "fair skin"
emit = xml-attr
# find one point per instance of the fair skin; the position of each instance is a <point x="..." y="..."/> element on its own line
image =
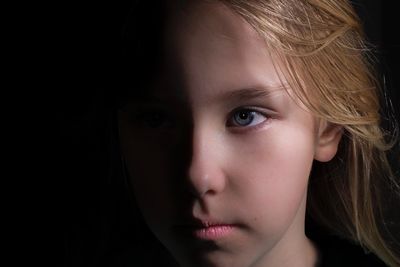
<point x="221" y="178"/>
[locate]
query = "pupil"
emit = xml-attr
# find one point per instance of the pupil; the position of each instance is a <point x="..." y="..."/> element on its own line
<point x="243" y="115"/>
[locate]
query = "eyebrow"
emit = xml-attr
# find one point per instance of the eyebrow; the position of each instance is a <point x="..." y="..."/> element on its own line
<point x="247" y="93"/>
<point x="252" y="92"/>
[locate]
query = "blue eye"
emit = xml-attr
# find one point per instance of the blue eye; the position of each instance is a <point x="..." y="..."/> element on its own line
<point x="247" y="117"/>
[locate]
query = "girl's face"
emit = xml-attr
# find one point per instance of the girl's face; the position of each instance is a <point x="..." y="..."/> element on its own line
<point x="218" y="152"/>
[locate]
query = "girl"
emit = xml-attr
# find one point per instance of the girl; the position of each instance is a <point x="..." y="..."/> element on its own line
<point x="251" y="134"/>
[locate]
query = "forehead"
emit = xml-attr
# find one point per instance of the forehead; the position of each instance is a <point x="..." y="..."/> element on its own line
<point x="201" y="28"/>
<point x="214" y="18"/>
<point x="208" y="46"/>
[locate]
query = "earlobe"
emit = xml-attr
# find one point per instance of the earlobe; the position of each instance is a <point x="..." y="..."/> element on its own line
<point x="328" y="139"/>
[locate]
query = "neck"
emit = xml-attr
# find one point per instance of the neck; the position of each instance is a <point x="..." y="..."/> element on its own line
<point x="294" y="249"/>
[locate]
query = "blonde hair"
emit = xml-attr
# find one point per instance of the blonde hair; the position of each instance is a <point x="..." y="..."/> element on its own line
<point x="325" y="58"/>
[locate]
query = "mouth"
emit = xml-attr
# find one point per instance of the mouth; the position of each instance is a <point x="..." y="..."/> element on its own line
<point x="206" y="230"/>
<point x="214" y="232"/>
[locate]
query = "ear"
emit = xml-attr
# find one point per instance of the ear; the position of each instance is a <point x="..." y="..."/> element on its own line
<point x="328" y="139"/>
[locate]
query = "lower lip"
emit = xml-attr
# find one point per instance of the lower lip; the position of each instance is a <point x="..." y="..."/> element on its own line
<point x="213" y="232"/>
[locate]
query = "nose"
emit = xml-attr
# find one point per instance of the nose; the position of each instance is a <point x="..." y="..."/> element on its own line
<point x="205" y="174"/>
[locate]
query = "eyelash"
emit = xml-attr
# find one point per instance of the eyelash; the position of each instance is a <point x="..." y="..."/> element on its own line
<point x="146" y="115"/>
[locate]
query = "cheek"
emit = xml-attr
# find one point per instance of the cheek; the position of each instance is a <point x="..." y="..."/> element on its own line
<point x="271" y="173"/>
<point x="149" y="164"/>
<point x="147" y="153"/>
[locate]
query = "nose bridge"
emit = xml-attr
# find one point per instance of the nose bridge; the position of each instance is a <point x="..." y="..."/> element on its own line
<point x="201" y="141"/>
<point x="205" y="172"/>
<point x="201" y="138"/>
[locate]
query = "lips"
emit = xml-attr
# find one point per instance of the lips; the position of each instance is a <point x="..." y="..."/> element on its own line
<point x="213" y="232"/>
<point x="206" y="229"/>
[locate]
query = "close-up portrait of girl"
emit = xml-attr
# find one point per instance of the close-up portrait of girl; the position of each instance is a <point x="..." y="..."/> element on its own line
<point x="246" y="134"/>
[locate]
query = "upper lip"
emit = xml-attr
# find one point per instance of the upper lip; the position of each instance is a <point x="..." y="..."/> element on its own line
<point x="202" y="223"/>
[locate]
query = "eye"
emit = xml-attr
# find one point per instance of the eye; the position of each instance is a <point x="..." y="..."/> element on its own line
<point x="153" y="119"/>
<point x="247" y="118"/>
